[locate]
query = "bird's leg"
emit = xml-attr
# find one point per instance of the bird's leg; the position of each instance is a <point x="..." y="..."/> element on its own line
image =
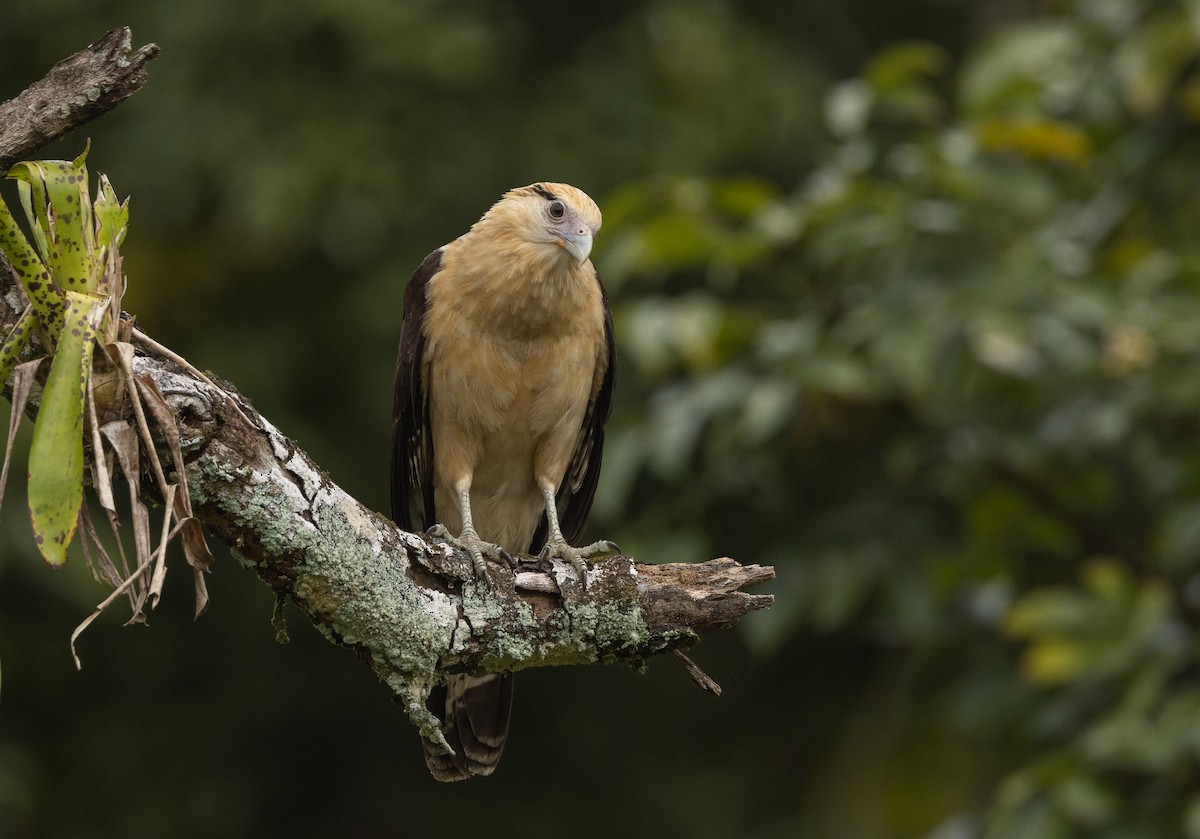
<point x="557" y="546"/>
<point x="468" y="540"/>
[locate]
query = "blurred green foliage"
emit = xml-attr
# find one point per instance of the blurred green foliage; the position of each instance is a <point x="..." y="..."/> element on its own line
<point x="908" y="305"/>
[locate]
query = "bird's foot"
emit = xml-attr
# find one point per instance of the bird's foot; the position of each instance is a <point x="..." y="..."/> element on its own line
<point x="470" y="542"/>
<point x="578" y="557"/>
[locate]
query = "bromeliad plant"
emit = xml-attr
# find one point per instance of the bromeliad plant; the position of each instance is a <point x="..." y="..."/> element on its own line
<point x="70" y="269"/>
<point x="72" y="278"/>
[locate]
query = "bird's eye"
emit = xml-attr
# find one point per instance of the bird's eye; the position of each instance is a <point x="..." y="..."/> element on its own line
<point x="557" y="210"/>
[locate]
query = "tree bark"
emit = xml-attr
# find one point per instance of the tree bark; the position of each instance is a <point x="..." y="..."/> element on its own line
<point x="76" y="90"/>
<point x="411" y="608"/>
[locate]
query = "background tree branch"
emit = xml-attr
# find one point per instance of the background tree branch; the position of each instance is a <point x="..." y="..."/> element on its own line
<point x="77" y="89"/>
<point x="412" y="609"/>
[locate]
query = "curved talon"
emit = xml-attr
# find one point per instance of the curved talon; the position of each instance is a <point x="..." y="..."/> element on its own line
<point x="605" y="547"/>
<point x="470" y="542"/>
<point x="578" y="557"/>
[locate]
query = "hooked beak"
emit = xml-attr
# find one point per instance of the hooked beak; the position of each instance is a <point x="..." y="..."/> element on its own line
<point x="579" y="244"/>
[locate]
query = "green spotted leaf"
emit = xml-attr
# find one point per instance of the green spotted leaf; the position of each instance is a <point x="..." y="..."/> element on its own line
<point x="56" y="454"/>
<point x="16" y="340"/>
<point x="43" y="293"/>
<point x="56" y="198"/>
<point x="112" y="216"/>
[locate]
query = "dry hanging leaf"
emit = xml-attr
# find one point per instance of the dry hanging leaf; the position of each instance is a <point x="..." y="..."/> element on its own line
<point x="160" y="553"/>
<point x="122" y="354"/>
<point x="23" y="379"/>
<point x="124" y="442"/>
<point x="166" y="352"/>
<point x="101" y="478"/>
<point x="102" y="567"/>
<point x="154" y="400"/>
<point x="117" y="592"/>
<point x="195" y="548"/>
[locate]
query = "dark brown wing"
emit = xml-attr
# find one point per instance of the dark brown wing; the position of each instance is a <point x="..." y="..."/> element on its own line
<point x="412" y="441"/>
<point x="474" y="710"/>
<point x="578" y="486"/>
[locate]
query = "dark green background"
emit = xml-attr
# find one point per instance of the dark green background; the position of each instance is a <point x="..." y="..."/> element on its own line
<point x="908" y="305"/>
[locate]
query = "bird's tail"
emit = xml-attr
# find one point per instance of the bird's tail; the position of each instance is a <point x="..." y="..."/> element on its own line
<point x="474" y="711"/>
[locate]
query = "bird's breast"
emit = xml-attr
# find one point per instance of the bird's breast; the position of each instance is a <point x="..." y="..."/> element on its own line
<point x="497" y="408"/>
<point x="500" y="386"/>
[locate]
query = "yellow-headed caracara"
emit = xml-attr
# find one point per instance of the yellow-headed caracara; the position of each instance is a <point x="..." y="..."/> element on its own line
<point x="504" y="382"/>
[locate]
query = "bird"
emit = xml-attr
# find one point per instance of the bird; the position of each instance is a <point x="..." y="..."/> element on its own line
<point x="504" y="384"/>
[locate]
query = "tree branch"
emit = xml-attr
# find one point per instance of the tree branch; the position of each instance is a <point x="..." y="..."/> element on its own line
<point x="76" y="90"/>
<point x="411" y="608"/>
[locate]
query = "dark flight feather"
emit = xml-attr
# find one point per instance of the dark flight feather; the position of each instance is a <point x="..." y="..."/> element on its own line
<point x="412" y="441"/>
<point x="578" y="488"/>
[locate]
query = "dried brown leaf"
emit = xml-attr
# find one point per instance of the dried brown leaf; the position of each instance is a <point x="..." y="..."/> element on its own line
<point x="122" y="354"/>
<point x="87" y="553"/>
<point x="115" y="525"/>
<point x="160" y="553"/>
<point x="118" y="382"/>
<point x="117" y="592"/>
<point x="24" y="376"/>
<point x="154" y="400"/>
<point x="101" y="477"/>
<point x="124" y="441"/>
<point x="146" y="396"/>
<point x="166" y="352"/>
<point x="195" y="548"/>
<point x="141" y="546"/>
<point x="702" y="679"/>
<point x="101" y="567"/>
<point x="201" y="592"/>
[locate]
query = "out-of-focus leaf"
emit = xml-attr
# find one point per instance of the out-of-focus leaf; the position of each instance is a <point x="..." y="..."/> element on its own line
<point x="1039" y="139"/>
<point x="1085" y="801"/>
<point x="677" y="239"/>
<point x="769" y="407"/>
<point x="683" y="412"/>
<point x="1179" y="537"/>
<point x="843" y="579"/>
<point x="899" y="79"/>
<point x="743" y="197"/>
<point x="1191" y="818"/>
<point x="660" y="333"/>
<point x="1016" y="68"/>
<point x="1105" y="628"/>
<point x="1151" y="63"/>
<point x="842" y="376"/>
<point x="904" y="63"/>
<point x="848" y="107"/>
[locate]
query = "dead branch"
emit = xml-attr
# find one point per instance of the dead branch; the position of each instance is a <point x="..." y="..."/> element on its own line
<point x="411" y="608"/>
<point x="76" y="90"/>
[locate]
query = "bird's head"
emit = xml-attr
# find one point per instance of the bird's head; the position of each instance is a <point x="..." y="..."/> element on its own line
<point x="558" y="216"/>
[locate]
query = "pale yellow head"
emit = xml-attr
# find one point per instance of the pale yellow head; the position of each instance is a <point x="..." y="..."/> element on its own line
<point x="555" y="215"/>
